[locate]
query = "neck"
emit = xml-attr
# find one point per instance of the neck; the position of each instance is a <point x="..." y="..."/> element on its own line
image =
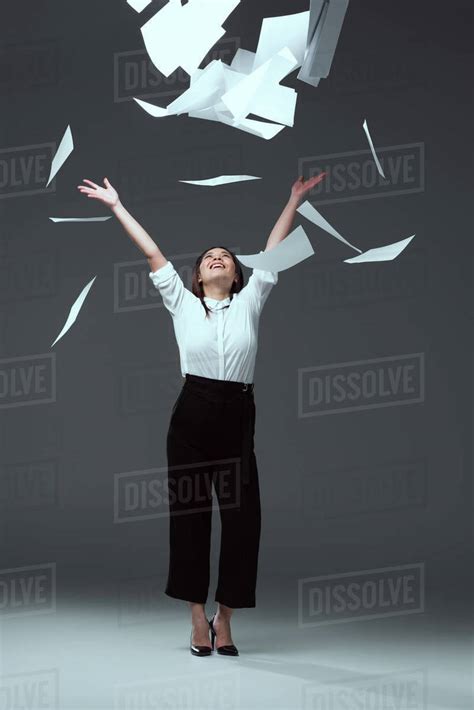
<point x="215" y="292"/>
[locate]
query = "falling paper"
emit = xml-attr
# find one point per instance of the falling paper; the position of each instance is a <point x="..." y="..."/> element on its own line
<point x="202" y="93"/>
<point x="76" y="307"/>
<point x="181" y="35"/>
<point x="139" y="5"/>
<point x="221" y="180"/>
<point x="377" y="161"/>
<point x="294" y="248"/>
<point x="260" y="92"/>
<point x="278" y="32"/>
<point x="387" y="253"/>
<point x="326" y="20"/>
<point x="239" y="99"/>
<point x="79" y="219"/>
<point x="243" y="61"/>
<point x="248" y="125"/>
<point x="311" y="213"/>
<point x="64" y="151"/>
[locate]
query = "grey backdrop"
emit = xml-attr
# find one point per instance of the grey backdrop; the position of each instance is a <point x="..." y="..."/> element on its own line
<point x="345" y="491"/>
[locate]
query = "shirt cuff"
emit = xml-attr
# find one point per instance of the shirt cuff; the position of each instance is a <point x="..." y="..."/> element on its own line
<point x="162" y="274"/>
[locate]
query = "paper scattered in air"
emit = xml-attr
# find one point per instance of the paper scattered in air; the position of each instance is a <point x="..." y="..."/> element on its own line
<point x="79" y="219"/>
<point x="311" y="213"/>
<point x="139" y="5"/>
<point x="377" y="161"/>
<point x="387" y="253"/>
<point x="279" y="32"/>
<point x="295" y="248"/>
<point x="181" y="35"/>
<point x="325" y="24"/>
<point x="75" y="308"/>
<point x="202" y="93"/>
<point x="260" y="92"/>
<point x="64" y="151"/>
<point x="221" y="180"/>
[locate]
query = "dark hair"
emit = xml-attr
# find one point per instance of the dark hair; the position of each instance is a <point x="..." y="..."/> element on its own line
<point x="197" y="288"/>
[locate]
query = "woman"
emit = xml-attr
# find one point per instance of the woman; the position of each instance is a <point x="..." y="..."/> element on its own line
<point x="210" y="435"/>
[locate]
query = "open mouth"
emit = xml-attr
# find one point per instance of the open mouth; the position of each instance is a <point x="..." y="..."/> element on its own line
<point x="217" y="266"/>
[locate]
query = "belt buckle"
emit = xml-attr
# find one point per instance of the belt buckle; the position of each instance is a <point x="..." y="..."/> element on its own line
<point x="245" y="387"/>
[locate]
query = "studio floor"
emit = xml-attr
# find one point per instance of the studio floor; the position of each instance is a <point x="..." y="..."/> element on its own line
<point x="107" y="653"/>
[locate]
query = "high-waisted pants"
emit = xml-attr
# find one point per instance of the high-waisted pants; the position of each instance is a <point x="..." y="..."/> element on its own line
<point x="210" y="443"/>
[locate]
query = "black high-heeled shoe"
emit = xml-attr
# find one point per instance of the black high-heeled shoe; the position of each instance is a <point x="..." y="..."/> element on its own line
<point x="199" y="650"/>
<point x="229" y="650"/>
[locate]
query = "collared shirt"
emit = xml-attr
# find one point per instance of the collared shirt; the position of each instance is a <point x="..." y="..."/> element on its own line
<point x="222" y="346"/>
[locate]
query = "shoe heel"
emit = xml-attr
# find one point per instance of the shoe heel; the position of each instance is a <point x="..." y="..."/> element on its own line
<point x="213" y="633"/>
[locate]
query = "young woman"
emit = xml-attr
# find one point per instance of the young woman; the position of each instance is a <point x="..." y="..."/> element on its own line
<point x="210" y="438"/>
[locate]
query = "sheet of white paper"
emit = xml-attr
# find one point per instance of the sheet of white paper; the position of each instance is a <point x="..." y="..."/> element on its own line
<point x="278" y="32"/>
<point x="315" y="10"/>
<point x="377" y="161"/>
<point x="318" y="15"/>
<point x="139" y="5"/>
<point x="202" y="93"/>
<point x="295" y="248"/>
<point x="221" y="180"/>
<point x="243" y="61"/>
<point x="387" y="253"/>
<point x="79" y="219"/>
<point x="311" y="213"/>
<point x="261" y="129"/>
<point x="181" y="35"/>
<point x="275" y="103"/>
<point x="326" y="20"/>
<point x="62" y="154"/>
<point x="250" y="125"/>
<point x="75" y="308"/>
<point x="260" y="88"/>
<point x="333" y="20"/>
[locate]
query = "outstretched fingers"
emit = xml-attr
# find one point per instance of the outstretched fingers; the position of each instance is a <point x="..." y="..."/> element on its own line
<point x="90" y="183"/>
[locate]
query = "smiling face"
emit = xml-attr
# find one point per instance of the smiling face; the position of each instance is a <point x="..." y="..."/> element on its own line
<point x="217" y="267"/>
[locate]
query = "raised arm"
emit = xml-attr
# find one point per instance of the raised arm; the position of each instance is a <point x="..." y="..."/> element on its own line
<point x="109" y="197"/>
<point x="284" y="223"/>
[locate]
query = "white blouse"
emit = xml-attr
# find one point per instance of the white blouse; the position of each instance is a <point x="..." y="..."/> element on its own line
<point x="222" y="346"/>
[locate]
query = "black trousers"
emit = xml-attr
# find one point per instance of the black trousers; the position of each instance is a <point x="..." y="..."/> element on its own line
<point x="210" y="444"/>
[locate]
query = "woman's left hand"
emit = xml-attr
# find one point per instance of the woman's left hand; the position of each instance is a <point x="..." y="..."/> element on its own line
<point x="302" y="187"/>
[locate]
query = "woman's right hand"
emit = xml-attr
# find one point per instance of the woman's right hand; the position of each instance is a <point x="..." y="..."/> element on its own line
<point x="108" y="195"/>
